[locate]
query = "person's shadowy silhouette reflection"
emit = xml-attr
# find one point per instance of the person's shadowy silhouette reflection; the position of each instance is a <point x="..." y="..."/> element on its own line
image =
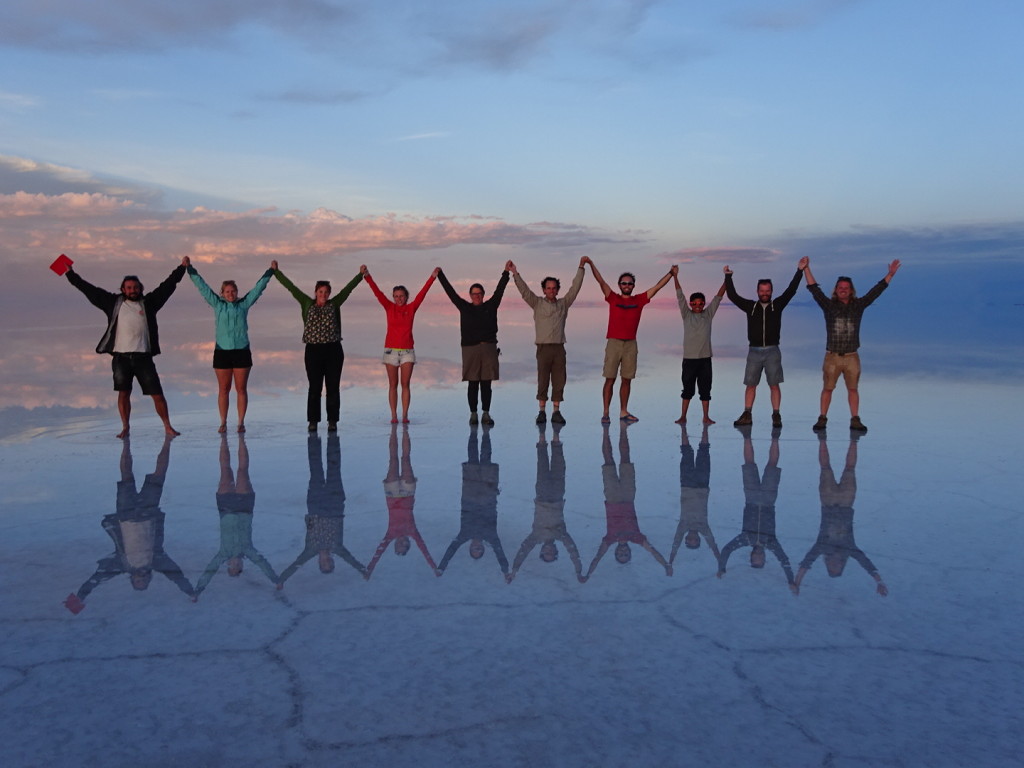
<point x="236" y="501"/>
<point x="479" y="504"/>
<point x="835" y="536"/>
<point x="623" y="527"/>
<point x="760" y="493"/>
<point x="549" y="510"/>
<point x="137" y="530"/>
<point x="400" y="494"/>
<point x="325" y="512"/>
<point x="694" y="489"/>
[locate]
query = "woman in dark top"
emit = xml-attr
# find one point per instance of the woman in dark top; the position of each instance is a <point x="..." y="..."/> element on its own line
<point x="321" y="333"/>
<point x="479" y="326"/>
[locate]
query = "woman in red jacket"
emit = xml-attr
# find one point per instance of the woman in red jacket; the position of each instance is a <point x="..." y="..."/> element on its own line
<point x="399" y="350"/>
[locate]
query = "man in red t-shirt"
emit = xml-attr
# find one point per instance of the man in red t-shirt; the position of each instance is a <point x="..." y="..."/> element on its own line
<point x="623" y="320"/>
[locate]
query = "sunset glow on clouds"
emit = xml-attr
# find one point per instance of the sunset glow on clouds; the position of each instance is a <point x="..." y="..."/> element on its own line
<point x="329" y="133"/>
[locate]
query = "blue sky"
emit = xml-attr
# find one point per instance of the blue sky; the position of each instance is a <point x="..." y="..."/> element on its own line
<point x="326" y="133"/>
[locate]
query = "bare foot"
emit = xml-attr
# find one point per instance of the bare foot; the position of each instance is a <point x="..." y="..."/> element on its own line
<point x="123" y="434"/>
<point x="241" y="428"/>
<point x="681" y="420"/>
<point x="708" y="420"/>
<point x="222" y="429"/>
<point x="171" y="431"/>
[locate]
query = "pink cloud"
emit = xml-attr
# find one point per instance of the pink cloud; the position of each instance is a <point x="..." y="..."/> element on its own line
<point x="70" y="205"/>
<point x="100" y="224"/>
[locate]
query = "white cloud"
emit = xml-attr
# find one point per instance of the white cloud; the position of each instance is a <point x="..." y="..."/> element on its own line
<point x="18" y="102"/>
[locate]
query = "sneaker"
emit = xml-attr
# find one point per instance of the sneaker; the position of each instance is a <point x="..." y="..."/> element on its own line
<point x="776" y="419"/>
<point x="557" y="418"/>
<point x="473" y="419"/>
<point x="745" y="420"/>
<point x="486" y="420"/>
<point x="857" y="425"/>
<point x="542" y="418"/>
<point x="332" y="426"/>
<point x="312" y="426"/>
<point x="819" y="425"/>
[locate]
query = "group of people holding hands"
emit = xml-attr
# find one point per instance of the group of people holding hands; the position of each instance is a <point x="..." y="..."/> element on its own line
<point x="132" y="339"/>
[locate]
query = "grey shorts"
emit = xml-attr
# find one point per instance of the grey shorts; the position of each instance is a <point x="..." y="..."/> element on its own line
<point x="767" y="359"/>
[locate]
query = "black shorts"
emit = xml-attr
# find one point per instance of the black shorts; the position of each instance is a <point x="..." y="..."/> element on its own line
<point x="135" y="365"/>
<point x="232" y="358"/>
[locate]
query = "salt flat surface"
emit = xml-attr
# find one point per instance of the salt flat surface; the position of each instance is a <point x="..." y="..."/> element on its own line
<point x="658" y="661"/>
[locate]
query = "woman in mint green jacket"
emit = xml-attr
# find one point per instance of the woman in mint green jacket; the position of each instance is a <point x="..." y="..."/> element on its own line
<point x="321" y="333"/>
<point x="232" y="358"/>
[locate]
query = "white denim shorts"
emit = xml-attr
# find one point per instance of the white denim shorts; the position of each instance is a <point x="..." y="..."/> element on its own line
<point x="396" y="357"/>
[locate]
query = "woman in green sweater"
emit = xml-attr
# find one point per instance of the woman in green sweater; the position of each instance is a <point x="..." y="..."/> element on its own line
<point x="232" y="358"/>
<point x="321" y="333"/>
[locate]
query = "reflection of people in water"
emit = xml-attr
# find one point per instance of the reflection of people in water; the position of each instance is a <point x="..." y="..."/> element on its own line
<point x="479" y="504"/>
<point x="325" y="512"/>
<point x="694" y="488"/>
<point x="835" y="536"/>
<point x="235" y="502"/>
<point x="549" y="511"/>
<point x="760" y="493"/>
<point x="400" y="493"/>
<point x="137" y="530"/>
<point x="620" y="506"/>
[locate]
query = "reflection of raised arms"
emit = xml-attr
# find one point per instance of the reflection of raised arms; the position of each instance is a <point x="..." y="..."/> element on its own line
<point x="835" y="535"/>
<point x="317" y="544"/>
<point x="325" y="512"/>
<point x="235" y="504"/>
<point x="236" y="543"/>
<point x="752" y="540"/>
<point x="137" y="532"/>
<point x="623" y="527"/>
<point x="549" y="513"/>
<point x="643" y="543"/>
<point x="400" y="495"/>
<point x="479" y="520"/>
<point x="694" y="488"/>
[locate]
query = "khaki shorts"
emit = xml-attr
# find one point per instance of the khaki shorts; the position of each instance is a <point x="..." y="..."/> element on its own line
<point x="620" y="353"/>
<point x="847" y="365"/>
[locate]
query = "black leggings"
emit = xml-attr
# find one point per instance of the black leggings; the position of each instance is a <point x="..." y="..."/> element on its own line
<point x="323" y="370"/>
<point x="484" y="388"/>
